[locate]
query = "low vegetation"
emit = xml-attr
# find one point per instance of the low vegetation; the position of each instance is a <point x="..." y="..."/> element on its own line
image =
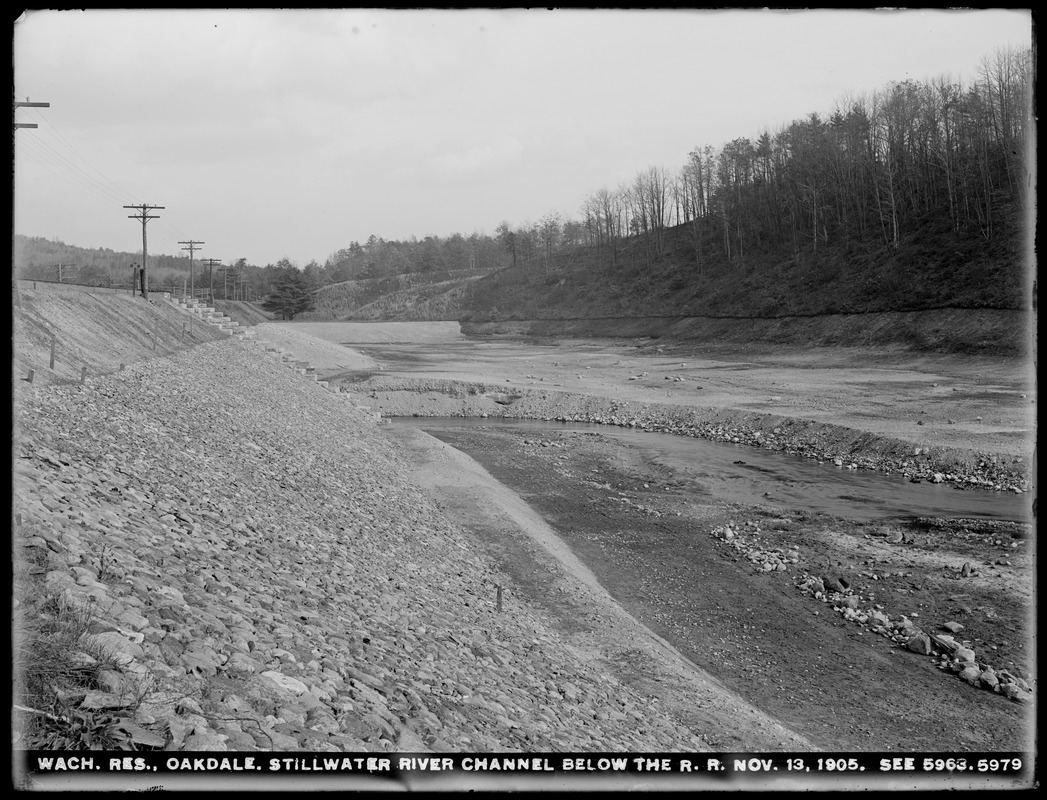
<point x="58" y="665"/>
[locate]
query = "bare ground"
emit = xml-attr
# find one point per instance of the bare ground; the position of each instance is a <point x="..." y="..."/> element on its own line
<point x="832" y="681"/>
<point x="546" y="573"/>
<point x="978" y="403"/>
<point x="808" y="675"/>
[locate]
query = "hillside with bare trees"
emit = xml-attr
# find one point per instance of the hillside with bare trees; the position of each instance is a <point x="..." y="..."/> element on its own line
<point x="916" y="198"/>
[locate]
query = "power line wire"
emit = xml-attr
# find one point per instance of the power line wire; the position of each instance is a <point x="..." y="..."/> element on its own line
<point x="51" y="128"/>
<point x="45" y="155"/>
<point x="55" y="153"/>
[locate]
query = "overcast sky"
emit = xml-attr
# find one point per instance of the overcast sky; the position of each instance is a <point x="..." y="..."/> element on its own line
<point x="268" y="134"/>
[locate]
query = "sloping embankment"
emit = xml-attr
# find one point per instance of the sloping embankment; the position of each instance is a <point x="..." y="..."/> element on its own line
<point x="243" y="312"/>
<point x="989" y="331"/>
<point x="264" y="575"/>
<point x="96" y="329"/>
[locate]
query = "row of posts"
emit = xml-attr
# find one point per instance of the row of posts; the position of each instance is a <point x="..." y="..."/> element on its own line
<point x="83" y="370"/>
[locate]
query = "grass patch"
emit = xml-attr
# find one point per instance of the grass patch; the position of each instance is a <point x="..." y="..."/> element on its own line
<point x="55" y="668"/>
<point x="108" y="572"/>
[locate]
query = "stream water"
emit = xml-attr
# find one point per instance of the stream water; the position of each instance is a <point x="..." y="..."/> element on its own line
<point x="743" y="474"/>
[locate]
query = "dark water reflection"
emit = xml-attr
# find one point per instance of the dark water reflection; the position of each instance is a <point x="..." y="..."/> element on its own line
<point x="744" y="474"/>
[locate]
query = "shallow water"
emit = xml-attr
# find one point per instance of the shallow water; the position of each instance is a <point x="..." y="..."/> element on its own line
<point x="750" y="475"/>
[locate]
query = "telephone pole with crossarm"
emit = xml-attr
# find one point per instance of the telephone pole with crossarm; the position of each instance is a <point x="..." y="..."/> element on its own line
<point x="144" y="216"/>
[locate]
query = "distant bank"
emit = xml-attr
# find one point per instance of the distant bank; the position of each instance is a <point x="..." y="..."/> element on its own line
<point x="976" y="331"/>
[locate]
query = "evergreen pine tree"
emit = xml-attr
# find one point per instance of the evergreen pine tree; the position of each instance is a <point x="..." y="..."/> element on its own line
<point x="291" y="295"/>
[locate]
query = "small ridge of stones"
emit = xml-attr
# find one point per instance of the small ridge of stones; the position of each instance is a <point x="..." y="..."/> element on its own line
<point x="836" y="591"/>
<point x="746" y="540"/>
<point x="817" y="441"/>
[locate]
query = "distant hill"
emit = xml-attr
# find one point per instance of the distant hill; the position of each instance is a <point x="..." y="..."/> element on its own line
<point x="37" y="258"/>
<point x="40" y="259"/>
<point x="915" y="199"/>
<point x="932" y="269"/>
<point x="409" y="296"/>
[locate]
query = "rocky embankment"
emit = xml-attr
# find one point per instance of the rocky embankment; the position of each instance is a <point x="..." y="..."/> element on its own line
<point x="846" y="447"/>
<point x="262" y="575"/>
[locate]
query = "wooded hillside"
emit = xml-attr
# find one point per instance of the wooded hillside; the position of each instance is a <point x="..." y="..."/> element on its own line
<point x="916" y="197"/>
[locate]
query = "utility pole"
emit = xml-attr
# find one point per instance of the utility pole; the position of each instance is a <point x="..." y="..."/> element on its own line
<point x="144" y="216"/>
<point x="210" y="272"/>
<point x="27" y="104"/>
<point x="17" y="125"/>
<point x="191" y="248"/>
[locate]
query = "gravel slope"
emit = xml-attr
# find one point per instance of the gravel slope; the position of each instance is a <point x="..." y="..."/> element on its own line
<point x="268" y="577"/>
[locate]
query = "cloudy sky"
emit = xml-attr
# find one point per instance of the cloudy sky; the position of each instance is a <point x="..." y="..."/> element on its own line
<point x="268" y="134"/>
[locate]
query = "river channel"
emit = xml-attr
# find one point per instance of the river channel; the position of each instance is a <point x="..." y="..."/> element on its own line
<point x="952" y="402"/>
<point x="752" y="476"/>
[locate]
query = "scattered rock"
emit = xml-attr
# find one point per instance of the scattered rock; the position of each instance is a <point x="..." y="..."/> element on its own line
<point x="834" y="585"/>
<point x="963" y="654"/>
<point x="920" y="643"/>
<point x="971" y="674"/>
<point x="988" y="679"/>
<point x="945" y="643"/>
